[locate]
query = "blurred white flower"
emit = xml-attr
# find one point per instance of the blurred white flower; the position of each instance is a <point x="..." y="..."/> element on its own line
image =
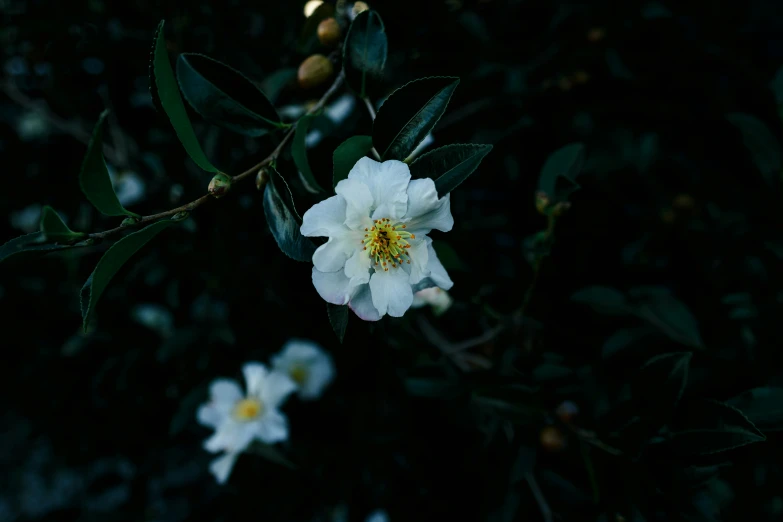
<point x="32" y="125"/>
<point x="239" y="419"/>
<point x="28" y="219"/>
<point x="311" y="6"/>
<point x="128" y="186"/>
<point x="378" y="253"/>
<point x="307" y="364"/>
<point x="438" y="299"/>
<point x="379" y="515"/>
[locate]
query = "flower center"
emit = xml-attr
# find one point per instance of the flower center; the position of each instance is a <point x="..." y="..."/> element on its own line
<point x="248" y="409"/>
<point x="298" y="374"/>
<point x="388" y="243"/>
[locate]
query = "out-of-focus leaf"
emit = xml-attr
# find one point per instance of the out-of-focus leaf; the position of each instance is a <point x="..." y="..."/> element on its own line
<point x="111" y="262"/>
<point x="448" y="256"/>
<point x="672" y="317"/>
<point x="622" y="339"/>
<point x="338" y="318"/>
<point x="764" y="148"/>
<point x="299" y="151"/>
<point x="660" y="383"/>
<point x="225" y="97"/>
<point x="94" y="176"/>
<point x="603" y="300"/>
<point x="271" y="454"/>
<point x="283" y="220"/>
<point x="54" y="228"/>
<point x="409" y="114"/>
<point x="168" y="92"/>
<point x="364" y="53"/>
<point x="274" y="83"/>
<point x="35" y="243"/>
<point x="763" y="406"/>
<point x="450" y="165"/>
<point x="347" y="154"/>
<point x="558" y="175"/>
<point x="433" y="388"/>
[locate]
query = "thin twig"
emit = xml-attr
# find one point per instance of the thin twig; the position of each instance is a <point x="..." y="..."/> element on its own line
<point x="371" y="110"/>
<point x="546" y="511"/>
<point x="189" y="207"/>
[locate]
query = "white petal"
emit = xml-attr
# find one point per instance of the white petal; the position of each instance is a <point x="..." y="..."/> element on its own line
<point x="387" y="182"/>
<point x="275" y="388"/>
<point x="357" y="268"/>
<point x="425" y="210"/>
<point x="255" y="376"/>
<point x="231" y="436"/>
<point x="320" y="373"/>
<point x="333" y="287"/>
<point x="225" y="393"/>
<point x="221" y="467"/>
<point x="361" y="304"/>
<point x="296" y="350"/>
<point x="438" y="276"/>
<point x="331" y="256"/>
<point x="359" y="203"/>
<point x="272" y="427"/>
<point x="325" y="218"/>
<point x="210" y="416"/>
<point x="419" y="258"/>
<point x="391" y="292"/>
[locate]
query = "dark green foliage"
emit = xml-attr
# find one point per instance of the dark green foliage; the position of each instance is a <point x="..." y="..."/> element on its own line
<point x="450" y="165"/>
<point x="283" y="220"/>
<point x="364" y="53"/>
<point x="347" y="154"/>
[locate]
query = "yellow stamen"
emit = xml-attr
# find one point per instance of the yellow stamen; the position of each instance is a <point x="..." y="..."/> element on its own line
<point x="298" y="373"/>
<point x="248" y="409"/>
<point x="388" y="243"/>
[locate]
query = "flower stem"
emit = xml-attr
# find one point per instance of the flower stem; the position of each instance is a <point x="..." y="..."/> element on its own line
<point x="371" y="110"/>
<point x="189" y="207"/>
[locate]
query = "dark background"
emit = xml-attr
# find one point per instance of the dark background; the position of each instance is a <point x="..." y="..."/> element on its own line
<point x="101" y="426"/>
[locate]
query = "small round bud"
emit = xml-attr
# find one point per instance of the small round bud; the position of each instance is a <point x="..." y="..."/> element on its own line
<point x="567" y="411"/>
<point x="596" y="34"/>
<point x="565" y="84"/>
<point x="668" y="215"/>
<point x="581" y="77"/>
<point x="359" y="7"/>
<point x="329" y="32"/>
<point x="683" y="202"/>
<point x="262" y="178"/>
<point x="219" y="185"/>
<point x="551" y="439"/>
<point x="542" y="202"/>
<point x="561" y="208"/>
<point x="129" y="221"/>
<point x="314" y="71"/>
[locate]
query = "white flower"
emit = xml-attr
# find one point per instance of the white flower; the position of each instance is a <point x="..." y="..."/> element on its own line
<point x="438" y="299"/>
<point x="307" y="364"/>
<point x="239" y="418"/>
<point x="378" y="253"/>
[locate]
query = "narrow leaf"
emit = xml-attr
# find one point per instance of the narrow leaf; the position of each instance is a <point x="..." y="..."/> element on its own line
<point x="558" y="175"/>
<point x="283" y="222"/>
<point x="603" y="299"/>
<point x="225" y="97"/>
<point x="29" y="244"/>
<point x="94" y="177"/>
<point x="168" y="93"/>
<point x="347" y="154"/>
<point x="338" y="318"/>
<point x="54" y="228"/>
<point x="409" y="114"/>
<point x="450" y="165"/>
<point x="672" y="317"/>
<point x="623" y="339"/>
<point x="706" y="427"/>
<point x="764" y="148"/>
<point x="111" y="262"/>
<point x="660" y="383"/>
<point x="763" y="406"/>
<point x="299" y="151"/>
<point x="364" y="54"/>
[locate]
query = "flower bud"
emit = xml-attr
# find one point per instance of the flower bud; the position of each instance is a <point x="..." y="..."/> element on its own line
<point x="219" y="185"/>
<point x="129" y="221"/>
<point x="565" y="84"/>
<point x="581" y="77"/>
<point x="551" y="439"/>
<point x="329" y="32"/>
<point x="359" y="7"/>
<point x="262" y="178"/>
<point x="314" y="71"/>
<point x="567" y="411"/>
<point x="683" y="202"/>
<point x="596" y="34"/>
<point x="542" y="202"/>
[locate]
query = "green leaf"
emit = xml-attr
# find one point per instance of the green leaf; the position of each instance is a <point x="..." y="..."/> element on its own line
<point x="283" y="220"/>
<point x="338" y="318"/>
<point x="364" y="54"/>
<point x="111" y="262"/>
<point x="450" y="165"/>
<point x="603" y="300"/>
<point x="764" y="148"/>
<point x="274" y="84"/>
<point x="347" y="154"/>
<point x="299" y="151"/>
<point x="763" y="406"/>
<point x="270" y="453"/>
<point x="409" y="114"/>
<point x="448" y="256"/>
<point x="54" y="228"/>
<point x="225" y="97"/>
<point x="706" y="427"/>
<point x="672" y="317"/>
<point x="168" y="93"/>
<point x="558" y="175"/>
<point x="94" y="177"/>
<point x="29" y="244"/>
<point x="622" y="339"/>
<point x="660" y="383"/>
<point x="514" y="402"/>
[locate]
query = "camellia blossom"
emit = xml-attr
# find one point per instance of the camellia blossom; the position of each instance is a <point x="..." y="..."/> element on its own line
<point x="239" y="419"/>
<point x="438" y="299"/>
<point x="307" y="364"/>
<point x="378" y="253"/>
